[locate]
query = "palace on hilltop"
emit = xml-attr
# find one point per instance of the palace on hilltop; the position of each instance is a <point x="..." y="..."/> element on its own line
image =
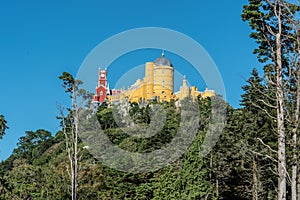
<point x="158" y="84"/>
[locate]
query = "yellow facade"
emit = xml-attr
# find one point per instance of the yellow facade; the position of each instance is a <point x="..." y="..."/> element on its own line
<point x="158" y="83"/>
<point x="163" y="82"/>
<point x="208" y="93"/>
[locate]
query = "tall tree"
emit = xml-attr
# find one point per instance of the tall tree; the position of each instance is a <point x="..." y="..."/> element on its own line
<point x="70" y="124"/>
<point x="269" y="19"/>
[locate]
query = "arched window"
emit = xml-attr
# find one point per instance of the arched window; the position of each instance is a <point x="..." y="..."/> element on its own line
<point x="101" y="93"/>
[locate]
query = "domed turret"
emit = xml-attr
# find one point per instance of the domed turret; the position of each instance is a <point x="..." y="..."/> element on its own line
<point x="162" y="61"/>
<point x="163" y="78"/>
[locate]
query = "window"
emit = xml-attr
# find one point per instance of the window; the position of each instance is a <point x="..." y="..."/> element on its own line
<point x="101" y="93"/>
<point x="163" y="83"/>
<point x="163" y="92"/>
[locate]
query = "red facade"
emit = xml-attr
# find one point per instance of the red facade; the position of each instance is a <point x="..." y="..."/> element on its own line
<point x="102" y="87"/>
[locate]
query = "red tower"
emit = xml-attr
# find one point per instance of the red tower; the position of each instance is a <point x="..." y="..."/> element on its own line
<point x="102" y="87"/>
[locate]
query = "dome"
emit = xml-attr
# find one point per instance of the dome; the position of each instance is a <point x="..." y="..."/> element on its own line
<point x="162" y="61"/>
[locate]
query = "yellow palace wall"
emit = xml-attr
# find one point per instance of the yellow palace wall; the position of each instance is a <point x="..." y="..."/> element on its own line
<point x="158" y="82"/>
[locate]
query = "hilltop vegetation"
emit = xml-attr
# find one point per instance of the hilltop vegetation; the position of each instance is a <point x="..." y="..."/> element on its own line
<point x="38" y="167"/>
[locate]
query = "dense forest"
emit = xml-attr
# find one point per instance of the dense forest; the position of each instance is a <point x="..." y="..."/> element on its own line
<point x="38" y="167"/>
<point x="255" y="156"/>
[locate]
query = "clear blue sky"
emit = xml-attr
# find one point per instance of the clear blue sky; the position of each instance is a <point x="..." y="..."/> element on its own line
<point x="41" y="39"/>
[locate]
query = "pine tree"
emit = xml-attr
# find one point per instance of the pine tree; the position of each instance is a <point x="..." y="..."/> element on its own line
<point x="269" y="21"/>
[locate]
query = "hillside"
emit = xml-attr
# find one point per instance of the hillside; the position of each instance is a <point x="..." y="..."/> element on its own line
<point x="38" y="168"/>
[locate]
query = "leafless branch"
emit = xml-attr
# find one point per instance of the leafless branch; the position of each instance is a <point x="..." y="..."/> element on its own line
<point x="260" y="140"/>
<point x="259" y="107"/>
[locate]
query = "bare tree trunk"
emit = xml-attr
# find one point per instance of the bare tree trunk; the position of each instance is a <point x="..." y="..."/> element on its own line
<point x="75" y="146"/>
<point x="280" y="109"/>
<point x="71" y="141"/>
<point x="71" y="129"/>
<point x="70" y="150"/>
<point x="280" y="124"/>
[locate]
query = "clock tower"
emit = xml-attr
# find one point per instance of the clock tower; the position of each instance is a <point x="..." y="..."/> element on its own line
<point x="102" y="88"/>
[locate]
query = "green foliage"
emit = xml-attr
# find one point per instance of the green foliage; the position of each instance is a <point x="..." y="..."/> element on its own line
<point x="106" y="118"/>
<point x="38" y="168"/>
<point x="262" y="20"/>
<point x="69" y="83"/>
<point x="29" y="173"/>
<point x="187" y="178"/>
<point x="3" y="126"/>
<point x="33" y="144"/>
<point x="240" y="159"/>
